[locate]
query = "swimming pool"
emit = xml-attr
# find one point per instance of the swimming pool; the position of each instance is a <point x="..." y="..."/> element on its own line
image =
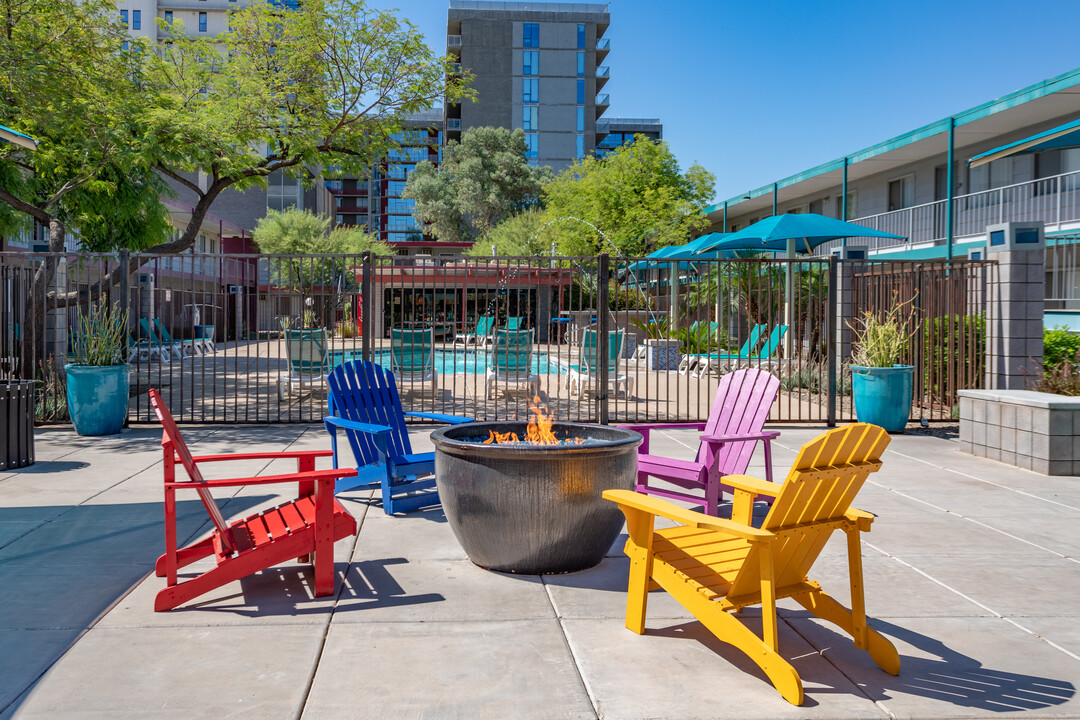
<point x="458" y="362"/>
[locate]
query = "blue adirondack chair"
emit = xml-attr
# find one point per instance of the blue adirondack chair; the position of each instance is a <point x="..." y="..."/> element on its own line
<point x="363" y="401"/>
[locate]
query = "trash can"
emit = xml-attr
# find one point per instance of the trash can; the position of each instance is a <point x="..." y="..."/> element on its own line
<point x="16" y="424"/>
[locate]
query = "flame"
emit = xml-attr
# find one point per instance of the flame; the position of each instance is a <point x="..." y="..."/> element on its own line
<point x="500" y="438"/>
<point x="538" y="431"/>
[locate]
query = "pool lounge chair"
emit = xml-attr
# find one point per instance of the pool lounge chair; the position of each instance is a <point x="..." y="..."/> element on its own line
<point x="722" y="362"/>
<point x="481" y="338"/>
<point x="587" y="368"/>
<point x="309" y="361"/>
<point x="412" y="357"/>
<point x="145" y="351"/>
<point x="190" y="347"/>
<point x="511" y="361"/>
<point x="698" y="365"/>
<point x="515" y="323"/>
<point x="177" y="349"/>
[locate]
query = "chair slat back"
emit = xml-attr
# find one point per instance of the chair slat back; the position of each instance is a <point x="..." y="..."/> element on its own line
<point x="741" y="405"/>
<point x="773" y="342"/>
<point x="173" y="443"/>
<point x="590" y="354"/>
<point x="751" y="342"/>
<point x="485" y="325"/>
<point x="412" y="350"/>
<point x="145" y="325"/>
<point x="513" y="350"/>
<point x="306" y="350"/>
<point x="514" y="323"/>
<point x="365" y="392"/>
<point x="820" y="487"/>
<point x="161" y="331"/>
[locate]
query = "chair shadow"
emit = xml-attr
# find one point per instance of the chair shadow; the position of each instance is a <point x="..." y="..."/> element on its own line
<point x="41" y="467"/>
<point x="950" y="677"/>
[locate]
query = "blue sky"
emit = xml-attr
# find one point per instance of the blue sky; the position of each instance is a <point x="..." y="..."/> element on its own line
<point x="757" y="91"/>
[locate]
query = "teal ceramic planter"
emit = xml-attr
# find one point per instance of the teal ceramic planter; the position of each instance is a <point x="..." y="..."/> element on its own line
<point x="97" y="398"/>
<point x="882" y="395"/>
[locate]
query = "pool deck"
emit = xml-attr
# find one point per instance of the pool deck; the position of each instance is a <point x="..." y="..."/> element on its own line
<point x="971" y="569"/>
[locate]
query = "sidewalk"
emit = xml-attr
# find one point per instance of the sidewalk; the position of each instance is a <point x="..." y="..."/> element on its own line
<point x="971" y="569"/>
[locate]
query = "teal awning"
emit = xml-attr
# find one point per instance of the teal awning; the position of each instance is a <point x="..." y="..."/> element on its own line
<point x="1063" y="136"/>
<point x="17" y="138"/>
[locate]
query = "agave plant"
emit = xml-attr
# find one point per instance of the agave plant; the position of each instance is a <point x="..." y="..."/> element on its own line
<point x="99" y="337"/>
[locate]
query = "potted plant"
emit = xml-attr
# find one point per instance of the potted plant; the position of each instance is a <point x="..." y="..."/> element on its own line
<point x="881" y="386"/>
<point x="97" y="376"/>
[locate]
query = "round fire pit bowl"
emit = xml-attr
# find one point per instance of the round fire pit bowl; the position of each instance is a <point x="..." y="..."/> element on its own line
<point x="534" y="509"/>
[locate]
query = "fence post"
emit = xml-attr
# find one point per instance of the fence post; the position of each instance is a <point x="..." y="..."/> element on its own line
<point x="125" y="300"/>
<point x="830" y="345"/>
<point x="602" y="280"/>
<point x="365" y="306"/>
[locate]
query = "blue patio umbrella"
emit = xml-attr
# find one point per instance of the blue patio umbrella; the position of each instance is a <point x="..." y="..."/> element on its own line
<point x="689" y="251"/>
<point x="792" y="233"/>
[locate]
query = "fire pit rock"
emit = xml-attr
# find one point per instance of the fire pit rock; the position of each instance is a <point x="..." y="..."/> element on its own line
<point x="534" y="509"/>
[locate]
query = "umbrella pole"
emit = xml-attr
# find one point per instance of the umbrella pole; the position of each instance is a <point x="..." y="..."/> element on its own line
<point x="789" y="300"/>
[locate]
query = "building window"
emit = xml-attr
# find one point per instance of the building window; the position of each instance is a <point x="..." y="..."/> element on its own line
<point x="580" y="92"/>
<point x="581" y="64"/>
<point x="852" y="210"/>
<point x="581" y="36"/>
<point x="532" y="146"/>
<point x="530" y="90"/>
<point x="581" y="119"/>
<point x="202" y="22"/>
<point x="168" y="17"/>
<point x="530" y="62"/>
<point x="902" y="193"/>
<point x="123" y="17"/>
<point x="529" y="115"/>
<point x="580" y="146"/>
<point x="530" y="34"/>
<point x="136" y="19"/>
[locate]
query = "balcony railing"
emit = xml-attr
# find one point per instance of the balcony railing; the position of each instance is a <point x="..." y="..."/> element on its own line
<point x="453" y="41"/>
<point x="603" y="44"/>
<point x="1053" y="200"/>
<point x="603" y="99"/>
<point x="453" y="123"/>
<point x="603" y="71"/>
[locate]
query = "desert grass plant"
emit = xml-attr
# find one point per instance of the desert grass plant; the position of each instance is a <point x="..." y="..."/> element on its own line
<point x="51" y="402"/>
<point x="348" y="328"/>
<point x="99" y="337"/>
<point x="1062" y="378"/>
<point x="882" y="339"/>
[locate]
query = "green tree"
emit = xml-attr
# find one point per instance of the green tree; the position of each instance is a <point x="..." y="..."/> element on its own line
<point x="636" y="196"/>
<point x="328" y="280"/>
<point x="524" y="234"/>
<point x="480" y="182"/>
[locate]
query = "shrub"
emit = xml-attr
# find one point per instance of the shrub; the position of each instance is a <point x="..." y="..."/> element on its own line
<point x="1059" y="345"/>
<point x="954" y="341"/>
<point x="1062" y="378"/>
<point x="347" y="328"/>
<point x="815" y="378"/>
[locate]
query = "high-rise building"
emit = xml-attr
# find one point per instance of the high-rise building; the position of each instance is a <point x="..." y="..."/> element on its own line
<point x="536" y="66"/>
<point x="619" y="131"/>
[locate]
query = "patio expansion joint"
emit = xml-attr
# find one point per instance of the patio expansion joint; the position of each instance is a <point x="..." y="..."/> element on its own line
<point x="975" y="602"/>
<point x="570" y="648"/>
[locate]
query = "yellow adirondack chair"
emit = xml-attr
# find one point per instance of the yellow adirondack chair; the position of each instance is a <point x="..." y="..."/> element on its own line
<point x="715" y="567"/>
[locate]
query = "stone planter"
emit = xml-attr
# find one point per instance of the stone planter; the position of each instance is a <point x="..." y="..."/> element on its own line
<point x="1032" y="430"/>
<point x="662" y="354"/>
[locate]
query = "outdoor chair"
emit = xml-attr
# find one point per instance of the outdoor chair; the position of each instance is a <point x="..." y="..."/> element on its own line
<point x="716" y="567"/>
<point x="196" y="346"/>
<point x="721" y="362"/>
<point x="480" y="338"/>
<point x="177" y="349"/>
<point x="363" y="401"/>
<point x="305" y="528"/>
<point x="735" y="426"/>
<point x="587" y="367"/>
<point x="412" y="357"/>
<point x="515" y="323"/>
<point x="511" y="362"/>
<point x="309" y="361"/>
<point x="145" y="351"/>
<point x="697" y="364"/>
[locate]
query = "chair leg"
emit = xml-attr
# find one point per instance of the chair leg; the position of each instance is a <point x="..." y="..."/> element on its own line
<point x="881" y="651"/>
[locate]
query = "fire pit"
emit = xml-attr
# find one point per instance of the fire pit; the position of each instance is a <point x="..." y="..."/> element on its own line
<point x="534" y="508"/>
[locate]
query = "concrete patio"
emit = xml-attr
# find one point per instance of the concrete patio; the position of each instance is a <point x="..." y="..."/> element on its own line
<point x="971" y="569"/>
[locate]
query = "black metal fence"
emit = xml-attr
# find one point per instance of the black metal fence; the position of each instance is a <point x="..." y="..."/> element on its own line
<point x="250" y="338"/>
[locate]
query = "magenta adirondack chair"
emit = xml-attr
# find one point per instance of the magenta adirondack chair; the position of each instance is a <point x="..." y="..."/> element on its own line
<point x="728" y="439"/>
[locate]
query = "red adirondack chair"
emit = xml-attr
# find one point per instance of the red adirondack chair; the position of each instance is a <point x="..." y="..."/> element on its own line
<point x="738" y="414"/>
<point x="306" y="527"/>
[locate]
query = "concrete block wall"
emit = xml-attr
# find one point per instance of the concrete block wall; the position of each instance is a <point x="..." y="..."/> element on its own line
<point x="1032" y="430"/>
<point x="1015" y="322"/>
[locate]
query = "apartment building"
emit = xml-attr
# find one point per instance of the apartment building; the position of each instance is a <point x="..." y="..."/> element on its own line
<point x="618" y="131"/>
<point x="536" y="66"/>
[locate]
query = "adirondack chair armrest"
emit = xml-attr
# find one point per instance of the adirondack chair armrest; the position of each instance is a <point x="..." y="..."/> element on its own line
<point x="742" y="437"/>
<point x="333" y="423"/>
<point x="643" y="449"/>
<point x="663" y="508"/>
<point x="313" y="476"/>
<point x="450" y="419"/>
<point x="860" y="518"/>
<point x="298" y="454"/>
<point x="752" y="485"/>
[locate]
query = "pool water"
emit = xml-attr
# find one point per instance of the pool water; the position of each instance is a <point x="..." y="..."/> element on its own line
<point x="460" y="362"/>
